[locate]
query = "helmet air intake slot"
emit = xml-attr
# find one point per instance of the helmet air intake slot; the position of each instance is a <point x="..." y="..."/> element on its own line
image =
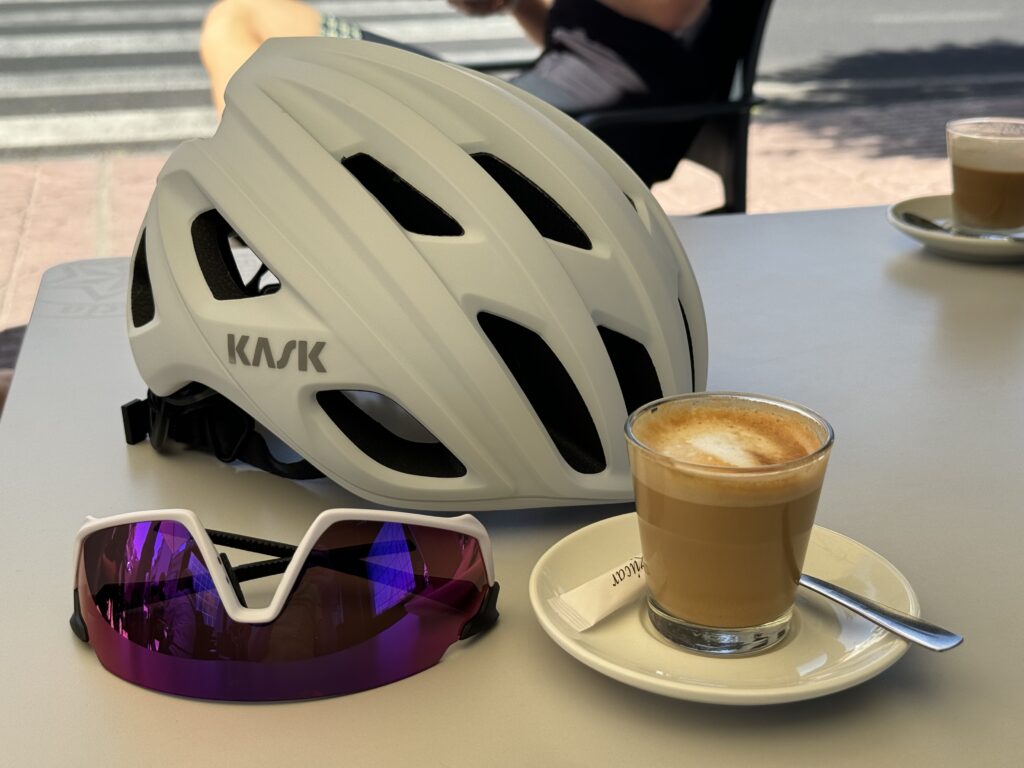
<point x="231" y="269"/>
<point x="550" y="390"/>
<point x="413" y="210"/>
<point x="254" y="273"/>
<point x="634" y="368"/>
<point x="540" y="208"/>
<point x="388" y="434"/>
<point x="143" y="308"/>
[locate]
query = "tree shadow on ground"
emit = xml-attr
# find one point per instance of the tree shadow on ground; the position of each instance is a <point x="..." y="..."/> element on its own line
<point x="897" y="102"/>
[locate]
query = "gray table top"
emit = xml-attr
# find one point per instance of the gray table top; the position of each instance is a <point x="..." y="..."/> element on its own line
<point x="917" y="361"/>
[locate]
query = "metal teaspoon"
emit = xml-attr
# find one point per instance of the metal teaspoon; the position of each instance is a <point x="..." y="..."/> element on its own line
<point x="921" y="222"/>
<point x="911" y="628"/>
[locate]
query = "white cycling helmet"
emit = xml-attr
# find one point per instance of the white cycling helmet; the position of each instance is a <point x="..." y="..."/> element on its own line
<point x="459" y="292"/>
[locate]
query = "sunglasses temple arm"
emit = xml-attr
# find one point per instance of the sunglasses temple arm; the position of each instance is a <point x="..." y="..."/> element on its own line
<point x="249" y="571"/>
<point x="486" y="617"/>
<point x="251" y="544"/>
<point x="283" y="553"/>
<point x="258" y="570"/>
<point x="262" y="568"/>
<point x="77" y="622"/>
<point x="278" y="565"/>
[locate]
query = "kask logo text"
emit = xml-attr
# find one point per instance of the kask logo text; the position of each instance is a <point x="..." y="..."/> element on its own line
<point x="262" y="354"/>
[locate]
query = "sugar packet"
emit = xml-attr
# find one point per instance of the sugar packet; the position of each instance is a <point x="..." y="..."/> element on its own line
<point x="583" y="606"/>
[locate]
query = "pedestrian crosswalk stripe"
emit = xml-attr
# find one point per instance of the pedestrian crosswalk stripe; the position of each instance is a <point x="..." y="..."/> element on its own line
<point x="162" y="13"/>
<point x="54" y="44"/>
<point x="145" y="41"/>
<point x="103" y="64"/>
<point x="109" y="80"/>
<point x="104" y="128"/>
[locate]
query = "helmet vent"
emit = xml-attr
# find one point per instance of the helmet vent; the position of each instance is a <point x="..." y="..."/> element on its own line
<point x="634" y="368"/>
<point x="540" y="208"/>
<point x="231" y="269"/>
<point x="689" y="347"/>
<point x="413" y="210"/>
<point x="143" y="307"/>
<point x="550" y="390"/>
<point x="388" y="434"/>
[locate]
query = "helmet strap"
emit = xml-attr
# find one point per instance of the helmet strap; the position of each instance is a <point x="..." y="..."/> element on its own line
<point x="204" y="420"/>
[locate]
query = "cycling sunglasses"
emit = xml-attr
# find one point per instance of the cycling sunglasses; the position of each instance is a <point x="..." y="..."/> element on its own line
<point x="367" y="597"/>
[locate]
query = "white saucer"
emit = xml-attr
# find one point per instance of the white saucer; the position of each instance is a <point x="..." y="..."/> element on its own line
<point x="939" y="208"/>
<point x="828" y="649"/>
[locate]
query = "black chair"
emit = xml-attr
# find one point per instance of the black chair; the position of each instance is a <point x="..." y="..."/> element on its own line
<point x="711" y="129"/>
<point x="713" y="133"/>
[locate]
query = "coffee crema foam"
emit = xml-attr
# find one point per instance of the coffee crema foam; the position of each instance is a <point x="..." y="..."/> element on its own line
<point x="997" y="147"/>
<point x="724" y="436"/>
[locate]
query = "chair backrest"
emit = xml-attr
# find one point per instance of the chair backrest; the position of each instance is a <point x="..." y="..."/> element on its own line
<point x="754" y="49"/>
<point x="710" y="124"/>
<point x="728" y="44"/>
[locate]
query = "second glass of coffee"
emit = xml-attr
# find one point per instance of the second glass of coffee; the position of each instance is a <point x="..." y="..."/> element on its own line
<point x="986" y="155"/>
<point x="727" y="486"/>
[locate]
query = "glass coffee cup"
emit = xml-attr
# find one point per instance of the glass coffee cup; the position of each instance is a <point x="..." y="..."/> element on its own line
<point x="986" y="156"/>
<point x="727" y="486"/>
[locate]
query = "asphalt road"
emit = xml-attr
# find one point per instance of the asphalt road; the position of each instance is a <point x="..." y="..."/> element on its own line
<point x="92" y="74"/>
<point x="875" y="51"/>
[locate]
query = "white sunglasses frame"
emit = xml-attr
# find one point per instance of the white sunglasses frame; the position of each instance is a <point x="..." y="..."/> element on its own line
<point x="465" y="524"/>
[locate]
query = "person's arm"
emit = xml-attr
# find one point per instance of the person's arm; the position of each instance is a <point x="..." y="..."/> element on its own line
<point x="532" y="15"/>
<point x="668" y="15"/>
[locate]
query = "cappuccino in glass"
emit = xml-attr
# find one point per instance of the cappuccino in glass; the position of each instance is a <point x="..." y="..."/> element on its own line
<point x="726" y="489"/>
<point x="987" y="161"/>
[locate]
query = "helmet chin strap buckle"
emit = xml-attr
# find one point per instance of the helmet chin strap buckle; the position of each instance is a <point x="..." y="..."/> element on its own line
<point x="190" y="416"/>
<point x="201" y="419"/>
<point x="135" y="417"/>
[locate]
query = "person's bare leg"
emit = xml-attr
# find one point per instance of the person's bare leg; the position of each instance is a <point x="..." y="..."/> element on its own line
<point x="234" y="29"/>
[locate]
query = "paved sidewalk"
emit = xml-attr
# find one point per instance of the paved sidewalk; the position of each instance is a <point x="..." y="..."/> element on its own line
<point x="53" y="211"/>
<point x="58" y="210"/>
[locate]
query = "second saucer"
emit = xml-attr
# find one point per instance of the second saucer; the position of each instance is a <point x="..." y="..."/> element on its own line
<point x="939" y="208"/>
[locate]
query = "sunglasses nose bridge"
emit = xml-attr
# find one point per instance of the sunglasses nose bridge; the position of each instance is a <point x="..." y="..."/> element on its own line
<point x="234" y="601"/>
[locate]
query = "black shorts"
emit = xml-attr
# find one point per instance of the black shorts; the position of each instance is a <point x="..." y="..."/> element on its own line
<point x="575" y="73"/>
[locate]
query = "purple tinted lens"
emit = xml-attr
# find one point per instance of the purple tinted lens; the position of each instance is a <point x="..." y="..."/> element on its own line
<point x="374" y="602"/>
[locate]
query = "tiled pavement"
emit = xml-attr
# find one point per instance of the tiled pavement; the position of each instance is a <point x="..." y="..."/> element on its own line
<point x="58" y="210"/>
<point x="63" y="209"/>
